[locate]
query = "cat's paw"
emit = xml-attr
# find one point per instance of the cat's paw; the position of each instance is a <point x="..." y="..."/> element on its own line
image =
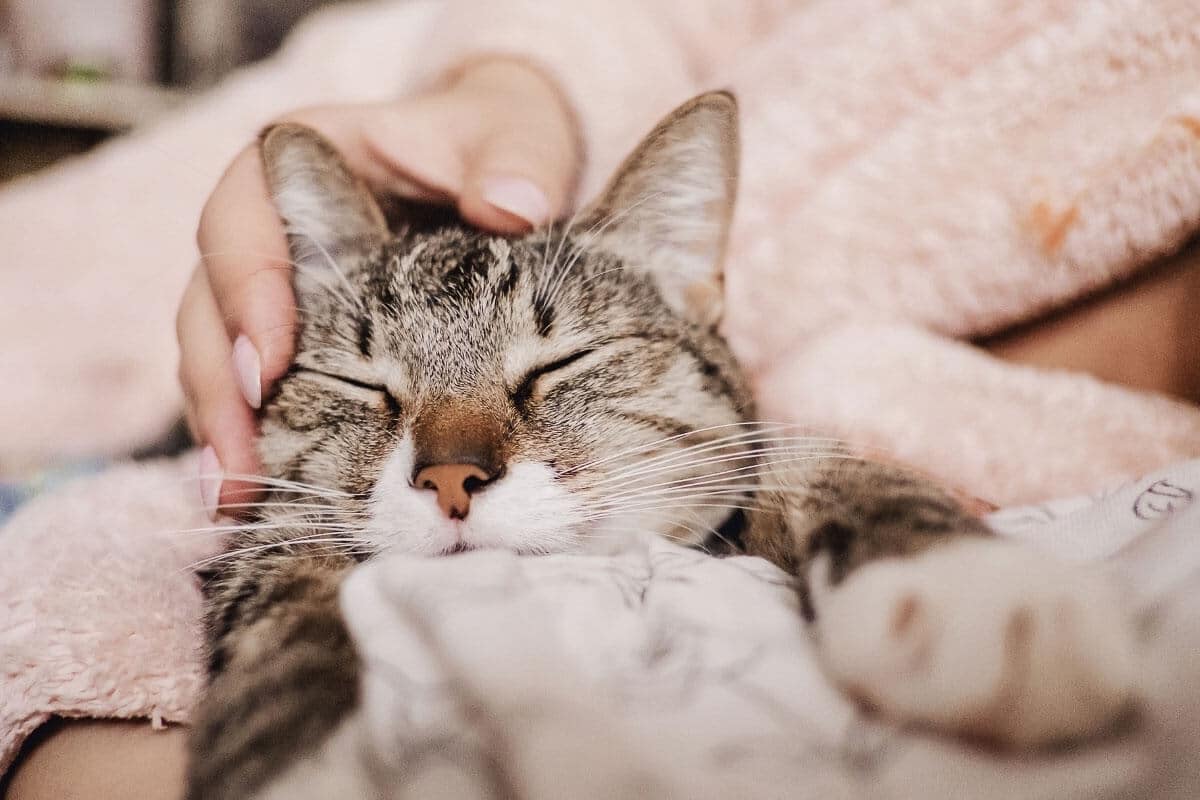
<point x="983" y="638"/>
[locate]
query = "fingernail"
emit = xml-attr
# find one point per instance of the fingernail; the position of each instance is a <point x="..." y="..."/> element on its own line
<point x="247" y="367"/>
<point x="211" y="476"/>
<point x="519" y="197"/>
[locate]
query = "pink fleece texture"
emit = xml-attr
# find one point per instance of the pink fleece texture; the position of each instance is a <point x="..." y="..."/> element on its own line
<point x="945" y="168"/>
<point x="914" y="174"/>
<point x="98" y="607"/>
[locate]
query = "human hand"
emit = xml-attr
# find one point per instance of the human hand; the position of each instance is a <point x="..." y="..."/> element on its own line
<point x="497" y="140"/>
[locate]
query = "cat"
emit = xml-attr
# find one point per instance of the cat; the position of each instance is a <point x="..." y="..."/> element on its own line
<point x="564" y="391"/>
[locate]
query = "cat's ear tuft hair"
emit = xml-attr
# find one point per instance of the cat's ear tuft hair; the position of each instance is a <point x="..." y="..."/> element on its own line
<point x="332" y="221"/>
<point x="669" y="206"/>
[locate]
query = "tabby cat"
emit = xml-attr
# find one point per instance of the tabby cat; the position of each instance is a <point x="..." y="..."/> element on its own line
<point x="567" y="389"/>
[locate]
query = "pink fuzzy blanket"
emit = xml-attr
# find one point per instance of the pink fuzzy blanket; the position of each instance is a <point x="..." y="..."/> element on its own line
<point x="915" y="173"/>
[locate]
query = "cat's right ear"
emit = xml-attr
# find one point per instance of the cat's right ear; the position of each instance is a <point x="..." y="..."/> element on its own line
<point x="331" y="219"/>
<point x="667" y="211"/>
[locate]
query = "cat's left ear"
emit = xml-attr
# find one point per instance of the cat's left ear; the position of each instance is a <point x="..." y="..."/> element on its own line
<point x="669" y="206"/>
<point x="331" y="218"/>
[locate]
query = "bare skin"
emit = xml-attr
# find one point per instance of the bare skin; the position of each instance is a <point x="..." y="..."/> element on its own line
<point x="100" y="759"/>
<point x="1144" y="334"/>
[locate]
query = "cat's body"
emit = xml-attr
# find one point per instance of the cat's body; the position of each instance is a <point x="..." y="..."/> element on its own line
<point x="566" y="391"/>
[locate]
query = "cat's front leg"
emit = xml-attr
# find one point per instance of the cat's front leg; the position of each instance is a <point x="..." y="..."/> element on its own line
<point x="283" y="676"/>
<point x="921" y="613"/>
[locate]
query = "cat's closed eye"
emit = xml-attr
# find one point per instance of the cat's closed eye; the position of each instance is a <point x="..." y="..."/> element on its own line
<point x="371" y="387"/>
<point x="393" y="405"/>
<point x="524" y="391"/>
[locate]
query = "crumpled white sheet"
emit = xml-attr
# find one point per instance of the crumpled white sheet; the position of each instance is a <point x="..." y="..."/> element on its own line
<point x="662" y="672"/>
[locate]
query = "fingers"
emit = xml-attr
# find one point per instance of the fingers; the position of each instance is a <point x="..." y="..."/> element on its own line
<point x="522" y="166"/>
<point x="513" y="184"/>
<point x="216" y="410"/>
<point x="500" y="142"/>
<point x="244" y="253"/>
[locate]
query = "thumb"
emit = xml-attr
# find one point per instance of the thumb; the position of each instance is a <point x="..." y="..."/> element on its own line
<point x="519" y="176"/>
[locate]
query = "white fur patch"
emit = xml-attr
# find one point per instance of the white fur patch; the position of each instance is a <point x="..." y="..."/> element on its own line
<point x="526" y="511"/>
<point x="982" y="637"/>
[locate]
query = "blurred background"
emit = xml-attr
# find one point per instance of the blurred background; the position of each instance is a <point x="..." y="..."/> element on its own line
<point x="73" y="72"/>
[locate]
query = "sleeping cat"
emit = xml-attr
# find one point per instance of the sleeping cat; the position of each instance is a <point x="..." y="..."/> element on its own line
<point x="564" y="391"/>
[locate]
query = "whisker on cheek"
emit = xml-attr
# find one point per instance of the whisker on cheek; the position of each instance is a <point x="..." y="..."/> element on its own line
<point x="754" y="455"/>
<point x="742" y="430"/>
<point x="338" y="544"/>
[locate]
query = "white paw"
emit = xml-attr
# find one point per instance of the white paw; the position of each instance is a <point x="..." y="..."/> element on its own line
<point x="985" y="638"/>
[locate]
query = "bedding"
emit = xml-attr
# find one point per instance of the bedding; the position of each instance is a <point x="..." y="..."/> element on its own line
<point x="571" y="675"/>
<point x="659" y="671"/>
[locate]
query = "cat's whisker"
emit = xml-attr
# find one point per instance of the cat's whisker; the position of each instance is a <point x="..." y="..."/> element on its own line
<point x="700" y="468"/>
<point x="708" y="456"/>
<point x="748" y="431"/>
<point x="310" y="550"/>
<point x="283" y="523"/>
<point x="290" y="507"/>
<point x="592" y="234"/>
<point x="288" y="524"/>
<point x="353" y="301"/>
<point x="272" y="483"/>
<point x="705" y="531"/>
<point x="547" y="239"/>
<point x="596" y="276"/>
<point x="563" y="235"/>
<point x="723" y="477"/>
<point x="290" y="502"/>
<point x="641" y="448"/>
<point x="684" y="461"/>
<point x="282" y="543"/>
<point x="734" y="483"/>
<point x="649" y="500"/>
<point x="669" y="507"/>
<point x="676" y="494"/>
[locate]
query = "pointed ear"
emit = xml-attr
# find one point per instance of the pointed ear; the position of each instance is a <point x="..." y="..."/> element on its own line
<point x="668" y="208"/>
<point x="332" y="221"/>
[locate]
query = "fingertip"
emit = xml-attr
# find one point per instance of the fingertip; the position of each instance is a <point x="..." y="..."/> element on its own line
<point x="275" y="350"/>
<point x="265" y="317"/>
<point x="247" y="368"/>
<point x="210" y="476"/>
<point x="478" y="212"/>
<point x="238" y="463"/>
<point x="237" y="495"/>
<point x="222" y="489"/>
<point x="229" y="462"/>
<point x="517" y="197"/>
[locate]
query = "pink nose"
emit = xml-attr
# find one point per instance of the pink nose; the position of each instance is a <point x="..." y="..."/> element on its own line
<point x="454" y="484"/>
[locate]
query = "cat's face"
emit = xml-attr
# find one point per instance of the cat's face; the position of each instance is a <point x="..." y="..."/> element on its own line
<point x="537" y="394"/>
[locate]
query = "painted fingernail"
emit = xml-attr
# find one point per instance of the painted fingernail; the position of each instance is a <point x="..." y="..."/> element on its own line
<point x="519" y="197"/>
<point x="211" y="476"/>
<point x="247" y="367"/>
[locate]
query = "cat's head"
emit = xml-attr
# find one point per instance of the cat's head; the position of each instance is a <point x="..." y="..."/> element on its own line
<point x="542" y="393"/>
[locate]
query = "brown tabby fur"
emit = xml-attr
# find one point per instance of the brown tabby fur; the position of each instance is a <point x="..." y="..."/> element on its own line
<point x="622" y="304"/>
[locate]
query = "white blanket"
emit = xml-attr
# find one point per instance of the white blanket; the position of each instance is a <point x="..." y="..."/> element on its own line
<point x="666" y="673"/>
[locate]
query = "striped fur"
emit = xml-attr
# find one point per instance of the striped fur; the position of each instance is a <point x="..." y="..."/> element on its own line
<point x="579" y="367"/>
